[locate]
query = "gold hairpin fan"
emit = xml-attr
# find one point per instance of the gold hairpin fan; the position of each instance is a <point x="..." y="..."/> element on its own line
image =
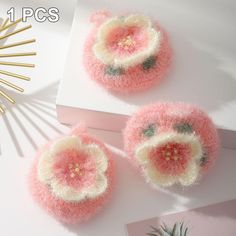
<point x="7" y="30"/>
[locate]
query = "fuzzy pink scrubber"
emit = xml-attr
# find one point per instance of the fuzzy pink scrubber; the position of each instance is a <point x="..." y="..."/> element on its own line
<point x="72" y="177"/>
<point x="126" y="53"/>
<point x="171" y="143"/>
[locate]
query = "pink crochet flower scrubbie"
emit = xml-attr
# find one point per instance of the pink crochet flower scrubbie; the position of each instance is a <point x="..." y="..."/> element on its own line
<point x="171" y="143"/>
<point x="72" y="177"/>
<point x="126" y="53"/>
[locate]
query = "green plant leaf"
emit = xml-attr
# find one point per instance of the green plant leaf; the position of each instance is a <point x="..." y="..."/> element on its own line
<point x="151" y="234"/>
<point x="154" y="229"/>
<point x="174" y="229"/>
<point x="185" y="233"/>
<point x="177" y="230"/>
<point x="164" y="229"/>
<point x="181" y="229"/>
<point x="167" y="229"/>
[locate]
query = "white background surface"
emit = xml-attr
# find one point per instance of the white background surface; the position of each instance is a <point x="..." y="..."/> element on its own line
<point x="32" y="121"/>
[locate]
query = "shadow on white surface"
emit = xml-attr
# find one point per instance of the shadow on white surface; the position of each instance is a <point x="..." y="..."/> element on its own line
<point x="202" y="80"/>
<point x="34" y="111"/>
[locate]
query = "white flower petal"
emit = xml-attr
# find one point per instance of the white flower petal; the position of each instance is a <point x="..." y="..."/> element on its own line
<point x="140" y="56"/>
<point x="138" y="20"/>
<point x="97" y="153"/>
<point x="66" y="192"/>
<point x="154" y="42"/>
<point x="44" y="169"/>
<point x="156" y="178"/>
<point x="101" y="53"/>
<point x="190" y="175"/>
<point x="142" y="153"/>
<point x="197" y="151"/>
<point x="65" y="143"/>
<point x="107" y="26"/>
<point x="99" y="187"/>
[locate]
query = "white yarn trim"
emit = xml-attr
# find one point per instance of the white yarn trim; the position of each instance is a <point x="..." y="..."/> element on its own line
<point x="67" y="193"/>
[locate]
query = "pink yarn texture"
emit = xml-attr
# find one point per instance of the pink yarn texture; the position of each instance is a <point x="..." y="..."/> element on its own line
<point x="171" y="143"/>
<point x="75" y="169"/>
<point x="120" y="43"/>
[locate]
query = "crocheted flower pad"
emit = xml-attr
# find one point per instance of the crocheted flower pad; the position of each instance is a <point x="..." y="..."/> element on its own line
<point x="171" y="143"/>
<point x="72" y="177"/>
<point x="126" y="53"/>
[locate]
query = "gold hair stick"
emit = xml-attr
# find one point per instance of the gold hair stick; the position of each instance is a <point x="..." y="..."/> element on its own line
<point x="11" y="85"/>
<point x="18" y="54"/>
<point x="3" y="72"/>
<point x="10" y="25"/>
<point x="15" y="32"/>
<point x="18" y="44"/>
<point x="7" y="97"/>
<point x="5" y="63"/>
<point x="6" y="24"/>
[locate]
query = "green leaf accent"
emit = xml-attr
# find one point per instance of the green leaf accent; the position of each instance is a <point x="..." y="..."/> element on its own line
<point x="204" y="159"/>
<point x="149" y="63"/>
<point x="183" y="128"/>
<point x="114" y="71"/>
<point x="150" y="130"/>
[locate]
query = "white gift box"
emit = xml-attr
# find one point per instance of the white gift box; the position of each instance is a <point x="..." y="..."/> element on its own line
<point x="202" y="73"/>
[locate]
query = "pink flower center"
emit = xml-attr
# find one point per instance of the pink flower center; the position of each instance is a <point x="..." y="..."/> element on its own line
<point x="126" y="40"/>
<point x="171" y="158"/>
<point x="75" y="168"/>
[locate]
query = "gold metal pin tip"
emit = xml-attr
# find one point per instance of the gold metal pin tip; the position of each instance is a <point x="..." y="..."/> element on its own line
<point x="26" y="54"/>
<point x="5" y="63"/>
<point x="11" y="85"/>
<point x="11" y="100"/>
<point x="8" y="73"/>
